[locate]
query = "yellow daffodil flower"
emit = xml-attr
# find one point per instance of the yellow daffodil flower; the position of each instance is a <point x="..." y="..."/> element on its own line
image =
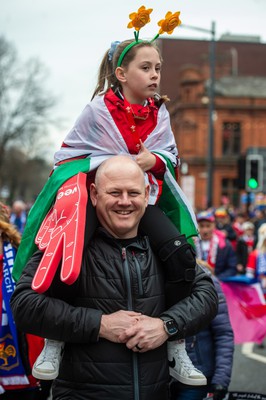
<point x="139" y="19"/>
<point x="170" y="22"/>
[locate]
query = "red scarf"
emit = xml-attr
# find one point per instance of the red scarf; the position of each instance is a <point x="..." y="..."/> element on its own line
<point x="123" y="113"/>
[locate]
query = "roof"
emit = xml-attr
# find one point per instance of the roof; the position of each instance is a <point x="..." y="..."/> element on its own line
<point x="240" y="38"/>
<point x="234" y="86"/>
<point x="251" y="60"/>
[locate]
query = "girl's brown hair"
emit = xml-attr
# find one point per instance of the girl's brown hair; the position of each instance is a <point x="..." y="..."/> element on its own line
<point x="9" y="232"/>
<point x="106" y="74"/>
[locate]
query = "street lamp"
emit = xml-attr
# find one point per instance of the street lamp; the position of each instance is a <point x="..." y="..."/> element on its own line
<point x="210" y="163"/>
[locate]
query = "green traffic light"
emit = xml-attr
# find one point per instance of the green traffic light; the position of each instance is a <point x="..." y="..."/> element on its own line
<point x="253" y="183"/>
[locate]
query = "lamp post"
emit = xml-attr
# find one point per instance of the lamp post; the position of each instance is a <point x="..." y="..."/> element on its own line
<point x="210" y="157"/>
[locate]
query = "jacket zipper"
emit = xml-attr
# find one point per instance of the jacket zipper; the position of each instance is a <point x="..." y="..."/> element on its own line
<point x="128" y="280"/>
<point x="130" y="306"/>
<point x="138" y="270"/>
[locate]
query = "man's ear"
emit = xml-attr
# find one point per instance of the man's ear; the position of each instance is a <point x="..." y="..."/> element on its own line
<point x="147" y="195"/>
<point x="120" y="74"/>
<point x="93" y="194"/>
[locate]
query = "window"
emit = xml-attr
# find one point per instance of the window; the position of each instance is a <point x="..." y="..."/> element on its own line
<point x="231" y="138"/>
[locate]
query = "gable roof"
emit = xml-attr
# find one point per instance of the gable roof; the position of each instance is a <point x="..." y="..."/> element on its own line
<point x="235" y="86"/>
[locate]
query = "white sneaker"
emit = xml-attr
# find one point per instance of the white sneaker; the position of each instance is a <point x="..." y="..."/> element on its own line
<point x="46" y="367"/>
<point x="181" y="367"/>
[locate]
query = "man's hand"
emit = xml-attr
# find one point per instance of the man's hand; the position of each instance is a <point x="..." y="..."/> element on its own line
<point x="145" y="159"/>
<point x="147" y="333"/>
<point x="113" y="325"/>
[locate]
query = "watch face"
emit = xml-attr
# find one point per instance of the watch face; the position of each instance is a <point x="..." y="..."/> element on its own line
<point x="171" y="327"/>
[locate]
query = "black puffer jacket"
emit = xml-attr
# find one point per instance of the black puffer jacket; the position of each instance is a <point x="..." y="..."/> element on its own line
<point x="112" y="278"/>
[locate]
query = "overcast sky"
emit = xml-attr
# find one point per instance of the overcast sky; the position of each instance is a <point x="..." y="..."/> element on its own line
<point x="71" y="36"/>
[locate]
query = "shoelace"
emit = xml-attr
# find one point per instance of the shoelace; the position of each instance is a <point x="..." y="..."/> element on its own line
<point x="185" y="360"/>
<point x="51" y="351"/>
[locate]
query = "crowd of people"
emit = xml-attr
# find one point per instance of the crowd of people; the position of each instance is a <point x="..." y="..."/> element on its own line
<point x="235" y="242"/>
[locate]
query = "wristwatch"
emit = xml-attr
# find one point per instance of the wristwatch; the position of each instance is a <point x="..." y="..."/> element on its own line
<point x="170" y="326"/>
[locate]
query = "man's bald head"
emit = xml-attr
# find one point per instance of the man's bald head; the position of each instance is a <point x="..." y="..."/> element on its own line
<point x="116" y="164"/>
<point x="120" y="196"/>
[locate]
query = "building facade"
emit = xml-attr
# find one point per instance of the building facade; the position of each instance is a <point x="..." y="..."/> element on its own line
<point x="238" y="118"/>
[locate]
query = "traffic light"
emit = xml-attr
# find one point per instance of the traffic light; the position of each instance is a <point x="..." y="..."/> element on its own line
<point x="254" y="173"/>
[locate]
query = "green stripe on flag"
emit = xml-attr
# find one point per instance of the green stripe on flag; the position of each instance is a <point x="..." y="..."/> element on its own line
<point x="175" y="205"/>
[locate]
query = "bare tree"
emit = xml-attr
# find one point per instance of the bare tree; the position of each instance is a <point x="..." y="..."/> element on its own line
<point x="24" y="177"/>
<point x="25" y="104"/>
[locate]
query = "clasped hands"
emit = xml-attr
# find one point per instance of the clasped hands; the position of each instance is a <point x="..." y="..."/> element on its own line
<point x="139" y="332"/>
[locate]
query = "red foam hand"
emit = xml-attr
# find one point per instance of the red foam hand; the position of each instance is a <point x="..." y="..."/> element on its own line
<point x="61" y="235"/>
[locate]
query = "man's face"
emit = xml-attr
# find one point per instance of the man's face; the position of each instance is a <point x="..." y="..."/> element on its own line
<point x="120" y="198"/>
<point x="206" y="229"/>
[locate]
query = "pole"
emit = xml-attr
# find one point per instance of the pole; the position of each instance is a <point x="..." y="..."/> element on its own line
<point x="210" y="163"/>
<point x="210" y="156"/>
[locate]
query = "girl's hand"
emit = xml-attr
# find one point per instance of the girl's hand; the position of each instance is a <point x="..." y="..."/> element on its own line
<point x="145" y="159"/>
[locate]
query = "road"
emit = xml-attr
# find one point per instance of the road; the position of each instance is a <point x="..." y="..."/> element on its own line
<point x="249" y="369"/>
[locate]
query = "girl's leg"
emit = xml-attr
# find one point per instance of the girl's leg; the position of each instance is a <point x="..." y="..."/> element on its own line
<point x="179" y="261"/>
<point x="177" y="255"/>
<point x="183" y="392"/>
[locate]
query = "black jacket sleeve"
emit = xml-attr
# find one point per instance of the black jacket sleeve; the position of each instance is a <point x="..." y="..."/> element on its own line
<point x="196" y="311"/>
<point x="46" y="316"/>
<point x="49" y="316"/>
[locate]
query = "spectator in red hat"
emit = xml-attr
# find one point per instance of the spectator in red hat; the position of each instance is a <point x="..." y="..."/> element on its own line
<point x="213" y="247"/>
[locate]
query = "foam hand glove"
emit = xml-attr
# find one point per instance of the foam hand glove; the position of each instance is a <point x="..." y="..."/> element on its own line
<point x="61" y="235"/>
<point x="219" y="392"/>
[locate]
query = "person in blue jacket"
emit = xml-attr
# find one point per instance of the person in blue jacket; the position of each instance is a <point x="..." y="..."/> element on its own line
<point x="212" y="351"/>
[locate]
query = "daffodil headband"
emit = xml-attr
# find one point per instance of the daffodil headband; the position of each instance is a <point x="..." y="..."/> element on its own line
<point x="141" y="18"/>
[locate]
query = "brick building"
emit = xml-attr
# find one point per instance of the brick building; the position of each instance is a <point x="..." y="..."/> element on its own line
<point x="239" y="117"/>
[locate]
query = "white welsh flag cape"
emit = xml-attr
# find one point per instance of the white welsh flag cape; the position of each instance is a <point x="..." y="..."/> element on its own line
<point x="95" y="137"/>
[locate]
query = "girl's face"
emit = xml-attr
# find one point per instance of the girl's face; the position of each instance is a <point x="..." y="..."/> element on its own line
<point x="141" y="78"/>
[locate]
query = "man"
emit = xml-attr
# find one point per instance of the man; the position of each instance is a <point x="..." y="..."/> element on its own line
<point x="113" y="319"/>
<point x="214" y="248"/>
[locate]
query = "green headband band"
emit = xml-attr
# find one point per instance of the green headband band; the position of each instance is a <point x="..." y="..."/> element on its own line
<point x="140" y="18"/>
<point x="126" y="49"/>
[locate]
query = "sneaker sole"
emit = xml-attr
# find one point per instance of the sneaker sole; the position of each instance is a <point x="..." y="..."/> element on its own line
<point x="188" y="381"/>
<point x="44" y="376"/>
